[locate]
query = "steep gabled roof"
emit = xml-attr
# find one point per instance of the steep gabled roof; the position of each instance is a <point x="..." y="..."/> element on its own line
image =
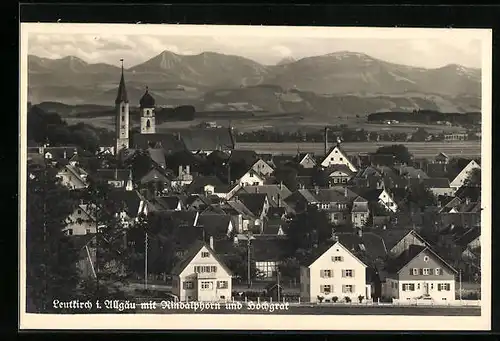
<point x="192" y="252"/>
<point x="397" y="264"/>
<point x="157" y="155"/>
<point x="113" y="174"/>
<point x="320" y="251"/>
<point x="436" y="183"/>
<point x="215" y="225"/>
<point x="253" y="201"/>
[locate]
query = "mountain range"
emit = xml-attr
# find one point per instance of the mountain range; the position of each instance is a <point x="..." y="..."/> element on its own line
<point x="337" y="83"/>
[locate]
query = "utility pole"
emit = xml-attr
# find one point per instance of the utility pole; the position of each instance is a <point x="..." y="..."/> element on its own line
<point x="45" y="241"/>
<point x="460" y="284"/>
<point x="249" y="274"/>
<point x="278" y="274"/>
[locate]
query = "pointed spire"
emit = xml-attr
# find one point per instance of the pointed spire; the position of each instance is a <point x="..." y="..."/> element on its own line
<point x="122" y="91"/>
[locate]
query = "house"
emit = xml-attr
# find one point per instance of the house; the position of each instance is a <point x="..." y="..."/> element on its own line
<point x="72" y="176"/>
<point x="170" y="202"/>
<point x="118" y="178"/>
<point x="251" y="178"/>
<point x="202" y="276"/>
<point x="267" y="253"/>
<point x="197" y="202"/>
<point x="379" y="196"/>
<point x="438" y="186"/>
<point x="258" y="204"/>
<point x="208" y="185"/>
<point x="243" y="218"/>
<point x="456" y="136"/>
<point x="262" y="168"/>
<point x="218" y="226"/>
<point x="276" y="194"/>
<point x="306" y="160"/>
<point x="130" y="205"/>
<point x="471" y="239"/>
<point x="81" y="221"/>
<point x="86" y="247"/>
<point x="184" y="177"/>
<point x="336" y="156"/>
<point x="57" y="154"/>
<point x="333" y="272"/>
<point x="419" y="273"/>
<point x="359" y="212"/>
<point x="339" y="174"/>
<point x="442" y="158"/>
<point x="157" y="155"/>
<point x="459" y="180"/>
<point x="410" y="238"/>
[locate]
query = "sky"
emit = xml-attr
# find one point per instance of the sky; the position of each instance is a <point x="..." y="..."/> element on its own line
<point x="268" y="49"/>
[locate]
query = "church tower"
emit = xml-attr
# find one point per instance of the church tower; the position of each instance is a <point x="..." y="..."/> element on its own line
<point x="122" y="116"/>
<point x="147" y="104"/>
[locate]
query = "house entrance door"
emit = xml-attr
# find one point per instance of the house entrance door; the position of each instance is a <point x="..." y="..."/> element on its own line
<point x="426" y="289"/>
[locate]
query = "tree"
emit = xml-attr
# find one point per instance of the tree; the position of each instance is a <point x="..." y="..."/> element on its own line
<point x="399" y="151"/>
<point x="51" y="257"/>
<point x="111" y="258"/>
<point x="237" y="262"/>
<point x="320" y="177"/>
<point x="290" y="268"/>
<point x="309" y="229"/>
<point x="473" y="178"/>
<point x="419" y="195"/>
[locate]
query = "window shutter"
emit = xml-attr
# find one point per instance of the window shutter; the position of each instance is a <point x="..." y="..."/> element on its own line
<point x="421" y="271"/>
<point x="321" y="274"/>
<point x="439" y="287"/>
<point x="343" y="273"/>
<point x="331" y="272"/>
<point x="352" y="271"/>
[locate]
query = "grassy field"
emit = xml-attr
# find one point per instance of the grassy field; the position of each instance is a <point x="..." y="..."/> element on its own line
<point x="283" y="122"/>
<point x="418" y="149"/>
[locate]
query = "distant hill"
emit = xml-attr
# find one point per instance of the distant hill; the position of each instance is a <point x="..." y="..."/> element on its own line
<point x="345" y="83"/>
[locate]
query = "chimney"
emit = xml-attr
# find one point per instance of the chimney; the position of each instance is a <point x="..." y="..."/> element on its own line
<point x="116" y="174"/>
<point x="326" y="141"/>
<point x="467" y="200"/>
<point x="316" y="189"/>
<point x="345" y="192"/>
<point x="279" y="200"/>
<point x="64" y="154"/>
<point x="212" y="243"/>
<point x="188" y="170"/>
<point x="180" y="170"/>
<point x="235" y="240"/>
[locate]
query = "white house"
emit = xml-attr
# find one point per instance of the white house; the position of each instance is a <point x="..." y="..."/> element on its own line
<point x="335" y="273"/>
<point x="201" y="276"/>
<point x="380" y="196"/>
<point x="411" y="238"/>
<point x="72" y="176"/>
<point x="80" y="222"/>
<point x="307" y="160"/>
<point x="251" y="178"/>
<point x="459" y="180"/>
<point x="262" y="168"/>
<point x="359" y="212"/>
<point x="336" y="156"/>
<point x="438" y="186"/>
<point x="419" y="274"/>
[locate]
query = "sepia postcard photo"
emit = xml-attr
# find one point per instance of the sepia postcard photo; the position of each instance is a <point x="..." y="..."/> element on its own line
<point x="259" y="178"/>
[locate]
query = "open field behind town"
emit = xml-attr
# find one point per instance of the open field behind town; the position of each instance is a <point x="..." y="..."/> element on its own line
<point x="418" y="149"/>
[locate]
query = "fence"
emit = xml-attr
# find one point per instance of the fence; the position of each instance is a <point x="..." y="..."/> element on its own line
<point x="420" y="302"/>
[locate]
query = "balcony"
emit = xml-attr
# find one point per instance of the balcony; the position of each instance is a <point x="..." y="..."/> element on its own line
<point x="206" y="275"/>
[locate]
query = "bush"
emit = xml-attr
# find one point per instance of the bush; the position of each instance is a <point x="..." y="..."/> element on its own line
<point x="335" y="299"/>
<point x="320" y="298"/>
<point x="361" y="298"/>
<point x="347" y="299"/>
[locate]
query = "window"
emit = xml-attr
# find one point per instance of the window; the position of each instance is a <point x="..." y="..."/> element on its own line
<point x="70" y="232"/>
<point x="426" y="258"/>
<point x="326" y="273"/>
<point x="222" y="285"/>
<point x="418" y="286"/>
<point x="223" y="297"/>
<point x="205" y="254"/>
<point x="344" y="180"/>
<point x="188" y="285"/>
<point x="251" y="175"/>
<point x="341" y="159"/>
<point x="123" y="117"/>
<point x="348" y="273"/>
<point x="205" y="268"/>
<point x="437" y="271"/>
<point x="148" y="124"/>
<point x="206" y="285"/>
<point x="326" y="289"/>
<point x="337" y="258"/>
<point x="79" y="211"/>
<point x="444" y="287"/>
<point x="426" y="271"/>
<point x="348" y="288"/>
<point x="335" y="216"/>
<point x="123" y="110"/>
<point x="414" y="271"/>
<point x="408" y="287"/>
<point x="88" y="231"/>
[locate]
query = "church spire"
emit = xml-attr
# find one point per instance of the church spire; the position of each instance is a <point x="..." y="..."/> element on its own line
<point x="122" y="91"/>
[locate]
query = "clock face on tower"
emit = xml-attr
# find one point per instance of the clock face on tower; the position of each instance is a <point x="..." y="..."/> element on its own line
<point x="123" y="126"/>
